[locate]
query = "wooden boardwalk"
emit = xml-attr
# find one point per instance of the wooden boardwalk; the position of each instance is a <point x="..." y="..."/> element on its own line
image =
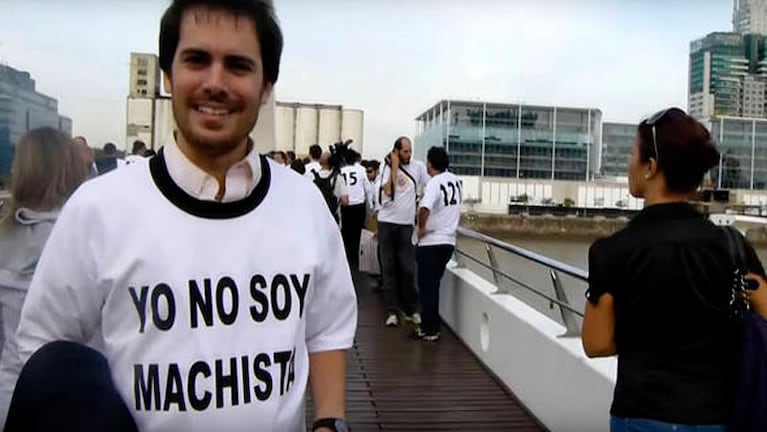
<point x="396" y="383"/>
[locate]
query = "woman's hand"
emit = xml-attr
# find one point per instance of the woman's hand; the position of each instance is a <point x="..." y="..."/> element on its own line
<point x="758" y="297"/>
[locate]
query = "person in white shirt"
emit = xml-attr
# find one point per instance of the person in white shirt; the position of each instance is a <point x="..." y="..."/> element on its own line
<point x="315" y="152"/>
<point x="374" y="184"/>
<point x="438" y="216"/>
<point x="138" y="153"/>
<point x="332" y="186"/>
<point x="210" y="318"/>
<point x="401" y="179"/>
<point x="353" y="214"/>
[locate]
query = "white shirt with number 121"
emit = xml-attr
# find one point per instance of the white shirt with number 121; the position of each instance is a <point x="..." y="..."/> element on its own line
<point x="443" y="197"/>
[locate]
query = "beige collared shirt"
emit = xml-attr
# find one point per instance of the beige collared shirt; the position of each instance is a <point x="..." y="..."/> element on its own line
<point x="240" y="180"/>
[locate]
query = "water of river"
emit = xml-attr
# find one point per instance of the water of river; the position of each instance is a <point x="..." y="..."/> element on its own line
<point x="573" y="251"/>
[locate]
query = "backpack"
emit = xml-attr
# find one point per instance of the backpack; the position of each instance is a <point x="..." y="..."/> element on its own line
<point x="327" y="187"/>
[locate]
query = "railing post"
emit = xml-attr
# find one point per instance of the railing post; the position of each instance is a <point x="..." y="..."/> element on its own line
<point x="494" y="268"/>
<point x="568" y="317"/>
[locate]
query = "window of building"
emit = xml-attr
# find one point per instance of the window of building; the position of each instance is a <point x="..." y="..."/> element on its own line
<point x="141" y="82"/>
<point x="141" y="72"/>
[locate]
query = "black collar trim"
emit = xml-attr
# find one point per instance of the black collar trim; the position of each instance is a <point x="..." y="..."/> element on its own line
<point x="202" y="208"/>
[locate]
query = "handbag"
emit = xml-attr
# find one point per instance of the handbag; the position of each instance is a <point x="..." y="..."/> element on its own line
<point x="749" y="411"/>
<point x="369" y="253"/>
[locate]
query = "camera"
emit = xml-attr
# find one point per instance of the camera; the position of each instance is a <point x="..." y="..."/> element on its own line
<point x="341" y="155"/>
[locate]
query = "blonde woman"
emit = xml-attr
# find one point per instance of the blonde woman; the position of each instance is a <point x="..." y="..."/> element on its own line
<point x="46" y="170"/>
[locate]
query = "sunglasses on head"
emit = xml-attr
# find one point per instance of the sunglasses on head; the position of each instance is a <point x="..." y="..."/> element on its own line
<point x="651" y="121"/>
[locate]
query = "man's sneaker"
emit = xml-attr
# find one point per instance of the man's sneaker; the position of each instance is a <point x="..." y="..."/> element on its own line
<point x="429" y="338"/>
<point x="391" y="320"/>
<point x="414" y="319"/>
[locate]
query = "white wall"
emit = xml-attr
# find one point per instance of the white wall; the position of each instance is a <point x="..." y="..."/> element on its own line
<point x="550" y="375"/>
<point x="306" y="129"/>
<point x="352" y="126"/>
<point x="497" y="193"/>
<point x="263" y="134"/>
<point x="298" y="127"/>
<point x="284" y="119"/>
<point x="754" y="198"/>
<point x="329" y="127"/>
<point x="139" y="121"/>
<point x="165" y="123"/>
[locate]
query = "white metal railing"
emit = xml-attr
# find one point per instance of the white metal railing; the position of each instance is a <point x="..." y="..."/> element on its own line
<point x="568" y="312"/>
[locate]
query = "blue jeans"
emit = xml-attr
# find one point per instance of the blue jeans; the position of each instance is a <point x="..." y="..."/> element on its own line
<point x="618" y="424"/>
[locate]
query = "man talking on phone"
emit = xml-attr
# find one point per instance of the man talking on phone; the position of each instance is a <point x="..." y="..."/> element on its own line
<point x="401" y="179"/>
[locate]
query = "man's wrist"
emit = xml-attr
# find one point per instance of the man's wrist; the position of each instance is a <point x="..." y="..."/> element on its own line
<point x="330" y="424"/>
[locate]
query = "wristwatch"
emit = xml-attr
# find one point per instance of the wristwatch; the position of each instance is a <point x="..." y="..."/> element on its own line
<point x="335" y="424"/>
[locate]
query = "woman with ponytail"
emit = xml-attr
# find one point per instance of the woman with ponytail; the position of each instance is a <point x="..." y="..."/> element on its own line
<point x="660" y="290"/>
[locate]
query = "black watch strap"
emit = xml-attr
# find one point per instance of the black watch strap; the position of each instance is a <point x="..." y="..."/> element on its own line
<point x="334" y="424"/>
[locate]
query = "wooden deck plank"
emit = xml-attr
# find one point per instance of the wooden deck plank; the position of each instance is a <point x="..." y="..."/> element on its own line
<point x="395" y="383"/>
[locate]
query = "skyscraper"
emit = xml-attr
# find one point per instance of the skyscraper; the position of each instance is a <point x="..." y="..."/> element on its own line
<point x="727" y="75"/>
<point x="750" y="16"/>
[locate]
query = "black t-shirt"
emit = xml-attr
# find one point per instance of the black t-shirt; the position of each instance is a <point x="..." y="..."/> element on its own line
<point x="670" y="274"/>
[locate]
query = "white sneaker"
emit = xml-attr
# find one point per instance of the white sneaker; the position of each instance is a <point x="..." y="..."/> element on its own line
<point x="415" y="318"/>
<point x="392" y="321"/>
<point x="430" y="338"/>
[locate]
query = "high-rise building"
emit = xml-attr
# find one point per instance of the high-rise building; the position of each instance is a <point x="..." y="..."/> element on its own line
<point x="22" y="108"/>
<point x="727" y="75"/>
<point x="143" y="94"/>
<point x="144" y="76"/>
<point x="750" y="16"/>
<point x="514" y="140"/>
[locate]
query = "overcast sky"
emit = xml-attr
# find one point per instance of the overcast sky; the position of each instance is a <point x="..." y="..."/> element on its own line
<point x="392" y="59"/>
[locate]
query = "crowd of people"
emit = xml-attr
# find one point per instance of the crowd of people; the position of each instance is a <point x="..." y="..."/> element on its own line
<point x="153" y="292"/>
<point x="415" y="224"/>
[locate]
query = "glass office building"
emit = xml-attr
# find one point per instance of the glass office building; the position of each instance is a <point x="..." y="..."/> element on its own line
<point x="617" y="140"/>
<point x="742" y="143"/>
<point x="514" y="140"/>
<point x="22" y="108"/>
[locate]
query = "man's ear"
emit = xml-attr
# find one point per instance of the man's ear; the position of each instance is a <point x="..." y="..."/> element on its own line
<point x="167" y="82"/>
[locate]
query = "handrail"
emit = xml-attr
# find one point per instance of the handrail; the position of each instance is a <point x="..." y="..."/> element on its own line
<point x="560" y="297"/>
<point x="524" y="253"/>
<point x="530" y="288"/>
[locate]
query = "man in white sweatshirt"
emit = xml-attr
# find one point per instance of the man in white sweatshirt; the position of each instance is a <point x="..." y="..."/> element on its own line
<point x="210" y="318"/>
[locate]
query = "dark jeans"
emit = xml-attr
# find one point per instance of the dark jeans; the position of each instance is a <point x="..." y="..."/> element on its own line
<point x="431" y="267"/>
<point x="352" y="221"/>
<point x="66" y="386"/>
<point x="618" y="424"/>
<point x="398" y="267"/>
